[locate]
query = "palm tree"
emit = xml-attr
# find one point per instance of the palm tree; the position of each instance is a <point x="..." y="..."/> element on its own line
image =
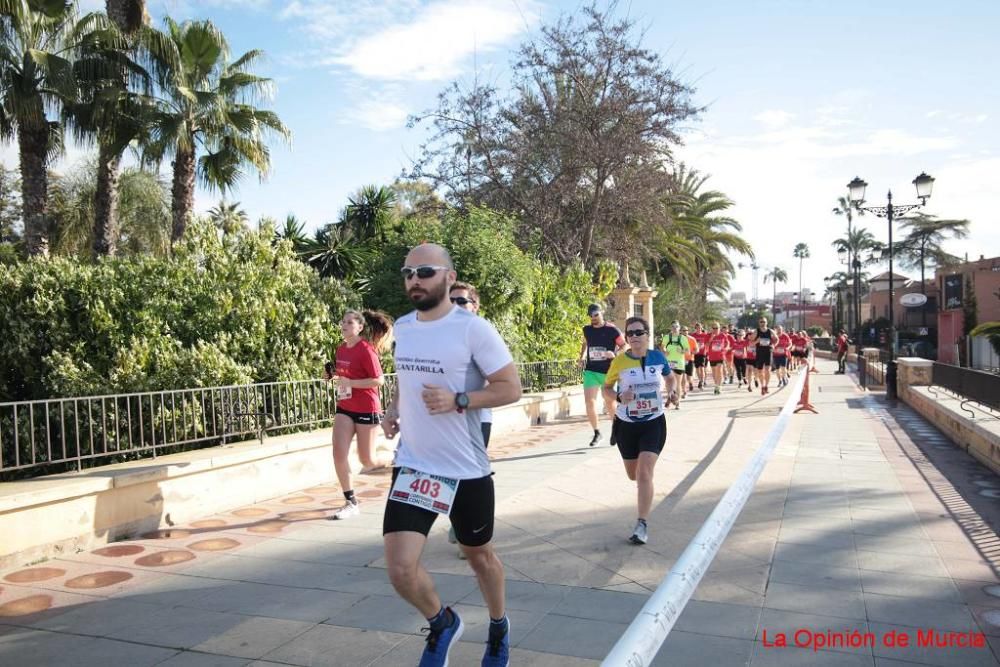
<point x="775" y="275"/>
<point x="847" y="209"/>
<point x="35" y="79"/>
<point x="800" y="252"/>
<point x="114" y="104"/>
<point x="228" y="218"/>
<point x="712" y="234"/>
<point x="370" y="212"/>
<point x="209" y="109"/>
<point x="859" y="245"/>
<point x="293" y="230"/>
<point x="128" y="15"/>
<point x="335" y="252"/>
<point x="923" y="241"/>
<point x="836" y="285"/>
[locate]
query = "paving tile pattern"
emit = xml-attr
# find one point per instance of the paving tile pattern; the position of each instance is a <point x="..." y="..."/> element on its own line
<point x="867" y="520"/>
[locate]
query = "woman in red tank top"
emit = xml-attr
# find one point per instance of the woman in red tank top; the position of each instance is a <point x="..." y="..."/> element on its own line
<point x="358" y="375"/>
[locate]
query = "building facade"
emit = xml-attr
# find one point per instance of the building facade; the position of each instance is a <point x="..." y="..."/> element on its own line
<point x="953" y="283"/>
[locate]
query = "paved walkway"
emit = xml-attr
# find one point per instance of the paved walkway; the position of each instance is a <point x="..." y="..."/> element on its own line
<point x="866" y="519"/>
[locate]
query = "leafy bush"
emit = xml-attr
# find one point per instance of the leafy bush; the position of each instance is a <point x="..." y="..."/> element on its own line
<point x="223" y="309"/>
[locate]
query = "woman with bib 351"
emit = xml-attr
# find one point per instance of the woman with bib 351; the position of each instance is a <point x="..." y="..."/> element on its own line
<point x="636" y="381"/>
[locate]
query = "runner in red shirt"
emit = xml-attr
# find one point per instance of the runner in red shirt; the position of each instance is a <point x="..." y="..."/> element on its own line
<point x="729" y="369"/>
<point x="740" y="347"/>
<point x="358" y="376"/>
<point x="782" y="347"/>
<point x="842" y="352"/>
<point x="799" y="341"/>
<point x="700" y="354"/>
<point x="716" y="347"/>
<point x="751" y="361"/>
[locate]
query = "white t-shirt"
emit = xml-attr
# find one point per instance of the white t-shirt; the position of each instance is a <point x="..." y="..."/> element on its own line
<point x="457" y="351"/>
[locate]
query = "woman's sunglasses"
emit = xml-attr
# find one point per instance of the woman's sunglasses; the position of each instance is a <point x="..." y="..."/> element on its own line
<point x="633" y="333"/>
<point x="424" y="271"/>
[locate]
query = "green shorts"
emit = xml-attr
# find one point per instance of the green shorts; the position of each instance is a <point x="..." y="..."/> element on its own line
<point x="593" y="379"/>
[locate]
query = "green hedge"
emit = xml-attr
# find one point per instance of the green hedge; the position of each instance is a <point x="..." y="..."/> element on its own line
<point x="222" y="310"/>
<point x="240" y="308"/>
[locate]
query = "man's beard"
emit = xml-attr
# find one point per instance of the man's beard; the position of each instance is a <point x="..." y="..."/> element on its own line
<point x="428" y="298"/>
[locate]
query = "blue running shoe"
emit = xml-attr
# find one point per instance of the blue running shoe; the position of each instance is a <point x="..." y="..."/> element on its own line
<point x="440" y="643"/>
<point x="498" y="650"/>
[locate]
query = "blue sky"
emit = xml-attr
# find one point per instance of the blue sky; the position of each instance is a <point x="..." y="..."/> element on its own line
<point x="801" y="96"/>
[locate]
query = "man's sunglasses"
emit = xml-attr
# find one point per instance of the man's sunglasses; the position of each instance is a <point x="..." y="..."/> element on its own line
<point x="636" y="332"/>
<point x="461" y="300"/>
<point x="424" y="271"/>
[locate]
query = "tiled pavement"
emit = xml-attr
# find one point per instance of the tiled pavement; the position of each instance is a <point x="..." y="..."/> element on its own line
<point x="866" y="519"/>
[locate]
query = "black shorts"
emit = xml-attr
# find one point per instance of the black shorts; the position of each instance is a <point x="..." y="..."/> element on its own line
<point x="763" y="359"/>
<point x="678" y="371"/>
<point x="471" y="513"/>
<point x="780" y="362"/>
<point x="487" y="429"/>
<point x="799" y="354"/>
<point x="636" y="437"/>
<point x="699" y="360"/>
<point x="363" y="418"/>
<point x="717" y="362"/>
<point x="689" y="368"/>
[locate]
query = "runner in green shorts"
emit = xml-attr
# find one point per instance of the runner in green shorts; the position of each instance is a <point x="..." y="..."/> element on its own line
<point x="601" y="342"/>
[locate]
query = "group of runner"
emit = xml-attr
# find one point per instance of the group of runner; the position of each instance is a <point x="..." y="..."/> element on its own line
<point x="452" y="367"/>
<point x="724" y="354"/>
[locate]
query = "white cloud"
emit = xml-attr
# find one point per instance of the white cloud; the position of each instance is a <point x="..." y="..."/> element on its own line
<point x="774" y="118"/>
<point x="403" y="40"/>
<point x="377" y="115"/>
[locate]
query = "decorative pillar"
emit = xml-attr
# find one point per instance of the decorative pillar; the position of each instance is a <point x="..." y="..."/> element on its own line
<point x="644" y="299"/>
<point x="622" y="300"/>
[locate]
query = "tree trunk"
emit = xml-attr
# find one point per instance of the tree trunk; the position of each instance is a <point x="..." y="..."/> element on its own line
<point x="33" y="144"/>
<point x="106" y="202"/>
<point x="128" y="15"/>
<point x="182" y="193"/>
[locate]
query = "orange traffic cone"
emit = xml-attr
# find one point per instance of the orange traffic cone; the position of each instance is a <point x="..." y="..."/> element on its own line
<point x="804" y="403"/>
<point x="813" y="369"/>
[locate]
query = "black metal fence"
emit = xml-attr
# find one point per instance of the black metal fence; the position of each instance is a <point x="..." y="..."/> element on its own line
<point x="62" y="434"/>
<point x="871" y="369"/>
<point x="971" y="386"/>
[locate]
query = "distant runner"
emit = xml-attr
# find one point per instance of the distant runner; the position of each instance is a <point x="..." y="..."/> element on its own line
<point x="601" y="342"/>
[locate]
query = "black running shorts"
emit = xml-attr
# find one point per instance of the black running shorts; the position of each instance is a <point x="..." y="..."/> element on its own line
<point x="363" y="418"/>
<point x="699" y="360"/>
<point x="763" y="359"/>
<point x="471" y="513"/>
<point x="636" y="437"/>
<point x="781" y="362"/>
<point x="689" y="368"/>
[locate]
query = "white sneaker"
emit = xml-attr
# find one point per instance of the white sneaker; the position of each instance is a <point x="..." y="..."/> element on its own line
<point x="640" y="535"/>
<point x="348" y="511"/>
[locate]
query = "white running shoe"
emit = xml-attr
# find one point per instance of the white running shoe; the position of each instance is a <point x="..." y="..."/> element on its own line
<point x="348" y="511"/>
<point x="640" y="535"/>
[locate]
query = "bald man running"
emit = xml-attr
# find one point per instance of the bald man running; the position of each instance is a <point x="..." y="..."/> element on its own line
<point x="450" y="365"/>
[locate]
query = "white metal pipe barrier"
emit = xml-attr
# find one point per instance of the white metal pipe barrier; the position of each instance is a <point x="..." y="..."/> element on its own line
<point x="642" y="639"/>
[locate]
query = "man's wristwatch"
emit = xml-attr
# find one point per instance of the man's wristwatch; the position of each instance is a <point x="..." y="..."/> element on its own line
<point x="461" y="401"/>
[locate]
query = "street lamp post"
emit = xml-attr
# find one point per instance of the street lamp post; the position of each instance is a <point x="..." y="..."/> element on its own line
<point x="924" y="185"/>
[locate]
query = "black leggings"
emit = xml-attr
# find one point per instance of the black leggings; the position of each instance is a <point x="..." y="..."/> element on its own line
<point x="741" y="368"/>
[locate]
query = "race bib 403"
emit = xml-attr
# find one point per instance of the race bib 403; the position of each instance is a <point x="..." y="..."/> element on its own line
<point x="421" y="489"/>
